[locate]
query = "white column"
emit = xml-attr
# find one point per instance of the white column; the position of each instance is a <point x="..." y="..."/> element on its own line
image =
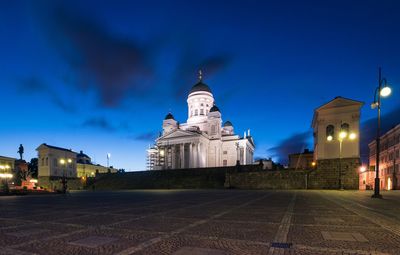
<point x="173" y="157"/>
<point x="190" y="155"/>
<point x="244" y="154"/>
<point x="198" y="155"/>
<point x="182" y="155"/>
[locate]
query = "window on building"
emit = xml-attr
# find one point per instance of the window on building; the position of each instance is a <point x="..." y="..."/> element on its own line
<point x="201" y="111"/>
<point x="42" y="161"/>
<point x="202" y="104"/>
<point x="330" y="132"/>
<point x="47" y="161"/>
<point x="225" y="152"/>
<point x="191" y="113"/>
<point x="224" y="162"/>
<point x="55" y="162"/>
<point x="196" y="112"/>
<point x="345" y="127"/>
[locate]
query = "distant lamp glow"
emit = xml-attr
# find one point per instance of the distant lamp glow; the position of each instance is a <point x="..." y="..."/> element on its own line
<point x="69" y="160"/>
<point x="329" y="138"/>
<point x="92" y="173"/>
<point x="386" y="91"/>
<point x="363" y="169"/>
<point x="5" y="176"/>
<point x="313" y="163"/>
<point x="162" y="153"/>
<point x="342" y="135"/>
<point x="33" y="181"/>
<point x="352" y="136"/>
<point x="62" y="161"/>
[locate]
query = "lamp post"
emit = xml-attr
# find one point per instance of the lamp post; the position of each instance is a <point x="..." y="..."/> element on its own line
<point x="343" y="135"/>
<point x="64" y="163"/>
<point x="379" y="92"/>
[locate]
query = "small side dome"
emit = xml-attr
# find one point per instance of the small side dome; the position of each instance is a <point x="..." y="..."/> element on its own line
<point x="214" y="109"/>
<point x="228" y="124"/>
<point x="169" y="117"/>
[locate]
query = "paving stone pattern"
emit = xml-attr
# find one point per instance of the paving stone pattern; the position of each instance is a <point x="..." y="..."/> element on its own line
<point x="198" y="222"/>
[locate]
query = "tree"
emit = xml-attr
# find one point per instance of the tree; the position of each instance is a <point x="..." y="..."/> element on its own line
<point x="33" y="167"/>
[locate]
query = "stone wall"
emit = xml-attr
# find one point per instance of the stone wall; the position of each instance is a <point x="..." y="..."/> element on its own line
<point x="201" y="178"/>
<point x="327" y="175"/>
<point x="283" y="179"/>
<point x="53" y="184"/>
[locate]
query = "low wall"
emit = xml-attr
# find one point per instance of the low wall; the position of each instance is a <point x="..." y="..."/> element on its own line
<point x="325" y="176"/>
<point x="53" y="183"/>
<point x="202" y="178"/>
<point x="283" y="179"/>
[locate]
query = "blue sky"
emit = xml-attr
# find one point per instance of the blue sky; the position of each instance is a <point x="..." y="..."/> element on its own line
<point x="100" y="76"/>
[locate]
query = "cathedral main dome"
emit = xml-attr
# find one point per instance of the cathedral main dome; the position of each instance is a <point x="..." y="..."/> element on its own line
<point x="200" y="86"/>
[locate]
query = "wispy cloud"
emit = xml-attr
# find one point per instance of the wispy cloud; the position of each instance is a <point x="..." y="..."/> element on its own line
<point x="148" y="136"/>
<point x="99" y="123"/>
<point x="112" y="65"/>
<point x="34" y="85"/>
<point x="295" y="143"/>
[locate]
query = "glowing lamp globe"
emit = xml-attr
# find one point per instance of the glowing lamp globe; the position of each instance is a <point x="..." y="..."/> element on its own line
<point x="386" y="91"/>
<point x="329" y="138"/>
<point x="352" y="136"/>
<point x="342" y="135"/>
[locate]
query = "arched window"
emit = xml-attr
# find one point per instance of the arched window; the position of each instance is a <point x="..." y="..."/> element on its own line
<point x="330" y="132"/>
<point x="345" y="127"/>
<point x="201" y="111"/>
<point x="196" y="112"/>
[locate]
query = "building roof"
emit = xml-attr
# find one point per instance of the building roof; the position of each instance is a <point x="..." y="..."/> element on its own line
<point x="214" y="109"/>
<point x="57" y="148"/>
<point x="82" y="155"/>
<point x="7" y="158"/>
<point x="200" y="86"/>
<point x="169" y="116"/>
<point x="228" y="124"/>
<point x="335" y="103"/>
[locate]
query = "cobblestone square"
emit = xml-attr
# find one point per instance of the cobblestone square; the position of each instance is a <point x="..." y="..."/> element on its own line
<point x="201" y="222"/>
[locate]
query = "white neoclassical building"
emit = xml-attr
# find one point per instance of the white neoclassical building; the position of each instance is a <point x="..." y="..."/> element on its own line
<point x="203" y="141"/>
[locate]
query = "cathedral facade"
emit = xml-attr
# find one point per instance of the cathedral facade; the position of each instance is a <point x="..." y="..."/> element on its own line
<point x="203" y="141"/>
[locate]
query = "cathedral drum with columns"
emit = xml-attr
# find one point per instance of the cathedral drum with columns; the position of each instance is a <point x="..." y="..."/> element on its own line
<point x="203" y="141"/>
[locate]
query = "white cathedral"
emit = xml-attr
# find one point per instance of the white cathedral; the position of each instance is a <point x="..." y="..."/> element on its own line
<point x="202" y="141"/>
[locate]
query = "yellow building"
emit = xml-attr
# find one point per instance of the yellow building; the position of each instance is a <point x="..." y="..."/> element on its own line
<point x="90" y="170"/>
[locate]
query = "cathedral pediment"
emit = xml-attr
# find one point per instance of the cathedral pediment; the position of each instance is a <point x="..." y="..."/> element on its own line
<point x="178" y="133"/>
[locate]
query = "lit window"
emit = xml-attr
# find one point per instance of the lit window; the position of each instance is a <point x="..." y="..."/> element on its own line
<point x="330" y="132"/>
<point x="345" y="128"/>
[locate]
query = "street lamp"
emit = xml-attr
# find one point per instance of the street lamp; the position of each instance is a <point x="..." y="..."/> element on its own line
<point x="64" y="162"/>
<point x="342" y="136"/>
<point x="381" y="91"/>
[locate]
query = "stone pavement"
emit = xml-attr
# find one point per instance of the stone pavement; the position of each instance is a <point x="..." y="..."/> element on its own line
<point x="198" y="222"/>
